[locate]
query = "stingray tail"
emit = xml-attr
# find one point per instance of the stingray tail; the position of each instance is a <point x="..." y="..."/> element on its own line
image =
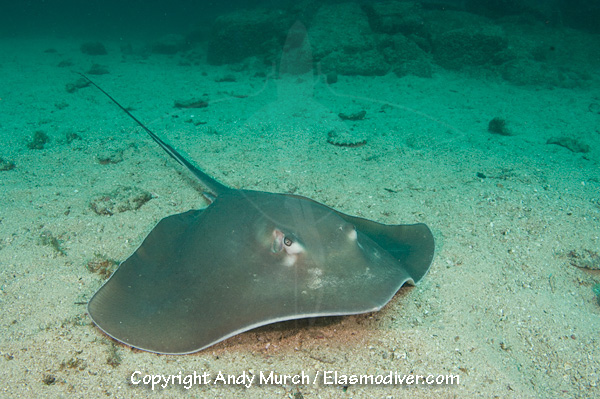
<point x="213" y="185"/>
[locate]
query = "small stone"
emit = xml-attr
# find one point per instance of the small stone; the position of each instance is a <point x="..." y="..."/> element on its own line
<point x="97" y="69"/>
<point x="93" y="48"/>
<point x="357" y="116"/>
<point x="49" y="379"/>
<point x="79" y="84"/>
<point x="191" y="103"/>
<point x="169" y="44"/>
<point x="120" y="200"/>
<point x="570" y="144"/>
<point x="6" y="165"/>
<point x="585" y="259"/>
<point x="332" y="77"/>
<point x="226" y="78"/>
<point x="71" y="136"/>
<point x="346" y="139"/>
<point x="498" y="126"/>
<point x="38" y="141"/>
<point x="110" y="156"/>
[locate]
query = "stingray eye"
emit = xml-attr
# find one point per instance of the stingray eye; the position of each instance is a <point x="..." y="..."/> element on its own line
<point x="292" y="247"/>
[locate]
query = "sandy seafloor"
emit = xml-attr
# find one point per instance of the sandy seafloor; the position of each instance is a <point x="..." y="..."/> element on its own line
<point x="502" y="305"/>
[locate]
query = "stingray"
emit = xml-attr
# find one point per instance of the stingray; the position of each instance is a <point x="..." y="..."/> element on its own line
<point x="249" y="259"/>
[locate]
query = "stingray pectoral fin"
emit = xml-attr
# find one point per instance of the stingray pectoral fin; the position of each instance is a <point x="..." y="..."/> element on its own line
<point x="412" y="245"/>
<point x="127" y="306"/>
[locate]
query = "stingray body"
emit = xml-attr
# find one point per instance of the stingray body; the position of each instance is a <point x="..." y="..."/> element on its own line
<point x="249" y="259"/>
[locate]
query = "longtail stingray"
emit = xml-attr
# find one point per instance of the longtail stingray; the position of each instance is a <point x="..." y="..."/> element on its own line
<point x="249" y="259"/>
